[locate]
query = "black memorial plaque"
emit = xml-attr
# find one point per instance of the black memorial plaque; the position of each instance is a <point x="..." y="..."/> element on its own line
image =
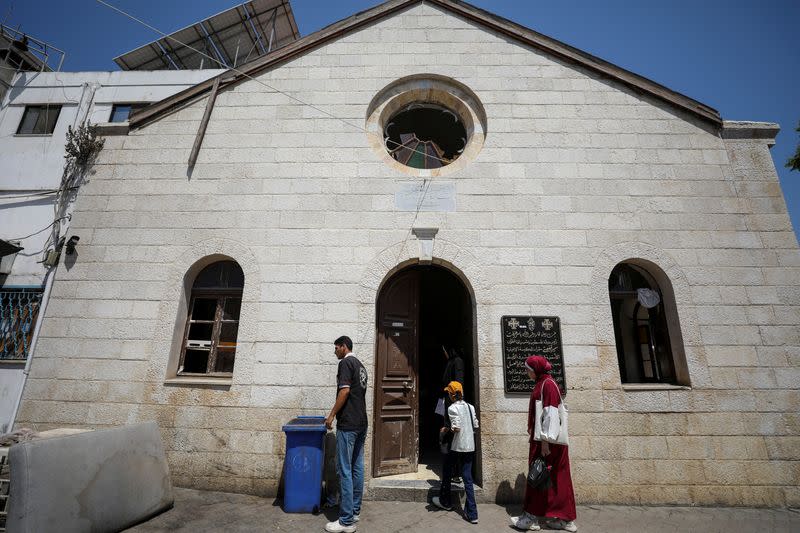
<point x="524" y="336"/>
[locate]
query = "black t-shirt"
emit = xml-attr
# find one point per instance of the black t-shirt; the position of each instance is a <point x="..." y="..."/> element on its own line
<point x="453" y="371"/>
<point x="351" y="373"/>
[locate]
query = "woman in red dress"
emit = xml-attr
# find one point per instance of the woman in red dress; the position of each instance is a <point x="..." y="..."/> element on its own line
<point x="555" y="505"/>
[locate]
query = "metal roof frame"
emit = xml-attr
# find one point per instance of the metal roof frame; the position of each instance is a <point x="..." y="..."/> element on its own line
<point x="231" y="37"/>
<point x="514" y="31"/>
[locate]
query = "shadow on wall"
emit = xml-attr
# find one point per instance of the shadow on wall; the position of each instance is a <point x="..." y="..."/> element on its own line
<point x="507" y="494"/>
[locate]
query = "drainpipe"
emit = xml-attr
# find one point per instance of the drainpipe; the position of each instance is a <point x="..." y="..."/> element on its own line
<point x="48" y="287"/>
<point x="86" y="103"/>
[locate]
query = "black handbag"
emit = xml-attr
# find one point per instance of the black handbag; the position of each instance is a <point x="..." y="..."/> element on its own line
<point x="539" y="474"/>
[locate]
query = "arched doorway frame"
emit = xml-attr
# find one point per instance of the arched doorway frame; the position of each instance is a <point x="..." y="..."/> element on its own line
<point x="466" y="267"/>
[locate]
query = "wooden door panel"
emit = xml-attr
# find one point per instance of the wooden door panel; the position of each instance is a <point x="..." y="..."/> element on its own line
<point x="395" y="435"/>
<point x="399" y="347"/>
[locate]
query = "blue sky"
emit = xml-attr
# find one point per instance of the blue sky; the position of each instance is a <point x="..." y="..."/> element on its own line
<point x="741" y="57"/>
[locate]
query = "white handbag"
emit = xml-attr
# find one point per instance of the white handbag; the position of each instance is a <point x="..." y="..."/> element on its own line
<point x="551" y="423"/>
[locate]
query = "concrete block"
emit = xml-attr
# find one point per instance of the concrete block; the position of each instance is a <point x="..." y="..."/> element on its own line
<point x="783" y="448"/>
<point x="105" y="480"/>
<point x="741" y="448"/>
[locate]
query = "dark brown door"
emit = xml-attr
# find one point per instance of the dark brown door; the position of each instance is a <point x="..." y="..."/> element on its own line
<point x="395" y="435"/>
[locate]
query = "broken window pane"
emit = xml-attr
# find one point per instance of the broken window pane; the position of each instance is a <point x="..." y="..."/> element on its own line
<point x="424" y="135"/>
<point x="227" y="336"/>
<point x="224" y="360"/>
<point x="201" y="331"/>
<point x="220" y="275"/>
<point x="196" y="361"/>
<point x="204" y="309"/>
<point x="232" y="307"/>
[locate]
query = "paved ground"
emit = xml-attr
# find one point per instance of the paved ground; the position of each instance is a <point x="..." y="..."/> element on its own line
<point x="199" y="511"/>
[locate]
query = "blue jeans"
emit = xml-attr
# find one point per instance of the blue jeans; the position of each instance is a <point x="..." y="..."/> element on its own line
<point x="452" y="461"/>
<point x="350" y="467"/>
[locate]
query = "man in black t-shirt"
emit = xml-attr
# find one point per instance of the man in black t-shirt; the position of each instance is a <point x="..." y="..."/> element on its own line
<point x="350" y="411"/>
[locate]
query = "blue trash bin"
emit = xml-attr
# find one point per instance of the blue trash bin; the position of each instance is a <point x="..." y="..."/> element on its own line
<point x="302" y="466"/>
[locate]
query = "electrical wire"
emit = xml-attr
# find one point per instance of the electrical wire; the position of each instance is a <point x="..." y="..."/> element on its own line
<point x="426" y="180"/>
<point x="249" y="77"/>
<point x="53" y="223"/>
<point x="31" y="195"/>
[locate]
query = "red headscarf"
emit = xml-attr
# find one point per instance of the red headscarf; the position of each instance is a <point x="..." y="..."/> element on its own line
<point x="538" y="364"/>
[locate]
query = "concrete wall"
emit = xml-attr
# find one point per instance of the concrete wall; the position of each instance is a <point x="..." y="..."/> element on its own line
<point x="31" y="165"/>
<point x="577" y="174"/>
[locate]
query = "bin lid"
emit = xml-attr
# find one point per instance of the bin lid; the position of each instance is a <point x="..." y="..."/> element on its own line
<point x="305" y="423"/>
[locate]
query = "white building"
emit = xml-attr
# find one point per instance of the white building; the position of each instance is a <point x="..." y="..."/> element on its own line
<point x="34" y="117"/>
<point x="36" y="111"/>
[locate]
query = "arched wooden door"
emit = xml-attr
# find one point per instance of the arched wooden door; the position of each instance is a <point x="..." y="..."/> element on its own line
<point x="395" y="435"/>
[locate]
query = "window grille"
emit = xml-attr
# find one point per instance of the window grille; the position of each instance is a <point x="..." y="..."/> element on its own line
<point x="19" y="309"/>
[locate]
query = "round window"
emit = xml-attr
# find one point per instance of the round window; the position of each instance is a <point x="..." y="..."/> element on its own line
<point x="426" y="125"/>
<point x="423" y="135"/>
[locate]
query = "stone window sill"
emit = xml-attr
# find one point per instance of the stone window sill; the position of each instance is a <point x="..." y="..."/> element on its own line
<point x="636" y="387"/>
<point x="199" y="381"/>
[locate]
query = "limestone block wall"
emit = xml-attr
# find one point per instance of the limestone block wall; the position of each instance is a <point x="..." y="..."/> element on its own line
<point x="577" y="173"/>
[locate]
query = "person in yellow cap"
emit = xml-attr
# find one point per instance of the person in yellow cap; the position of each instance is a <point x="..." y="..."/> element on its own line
<point x="463" y="425"/>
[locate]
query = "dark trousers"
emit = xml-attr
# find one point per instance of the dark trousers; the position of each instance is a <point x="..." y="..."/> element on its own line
<point x="454" y="462"/>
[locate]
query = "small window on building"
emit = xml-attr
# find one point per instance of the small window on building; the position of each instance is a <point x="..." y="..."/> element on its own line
<point x="425" y="136"/>
<point x="209" y="345"/>
<point x="39" y="120"/>
<point x="121" y="112"/>
<point x="19" y="309"/>
<point x="642" y="327"/>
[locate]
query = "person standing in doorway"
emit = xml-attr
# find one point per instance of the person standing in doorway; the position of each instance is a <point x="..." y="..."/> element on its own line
<point x="463" y="423"/>
<point x="350" y="412"/>
<point x="454" y="368"/>
<point x="453" y="371"/>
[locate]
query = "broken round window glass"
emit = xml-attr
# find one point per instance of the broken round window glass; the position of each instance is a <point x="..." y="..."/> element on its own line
<point x="425" y="136"/>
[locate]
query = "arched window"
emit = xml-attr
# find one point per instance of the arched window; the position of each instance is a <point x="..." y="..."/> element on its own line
<point x="641" y="311"/>
<point x="209" y="342"/>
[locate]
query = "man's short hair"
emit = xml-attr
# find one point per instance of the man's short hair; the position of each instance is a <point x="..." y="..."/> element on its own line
<point x="344" y="340"/>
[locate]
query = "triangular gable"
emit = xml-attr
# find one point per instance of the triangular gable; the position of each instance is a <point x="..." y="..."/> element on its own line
<point x="480" y="17"/>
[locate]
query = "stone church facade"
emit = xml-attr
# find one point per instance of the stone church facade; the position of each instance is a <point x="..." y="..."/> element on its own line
<point x="207" y="297"/>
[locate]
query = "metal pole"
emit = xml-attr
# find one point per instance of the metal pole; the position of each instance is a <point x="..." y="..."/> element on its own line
<point x="272" y="28"/>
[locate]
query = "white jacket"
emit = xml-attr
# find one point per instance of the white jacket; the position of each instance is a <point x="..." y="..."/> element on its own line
<point x="462" y="416"/>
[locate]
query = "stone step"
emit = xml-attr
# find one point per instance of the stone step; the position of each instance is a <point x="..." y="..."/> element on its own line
<point x="411" y="490"/>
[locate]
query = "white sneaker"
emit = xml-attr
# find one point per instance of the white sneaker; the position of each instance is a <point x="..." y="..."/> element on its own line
<point x="438" y="503"/>
<point x="356" y="517"/>
<point x="525" y="522"/>
<point x="338" y="527"/>
<point x="563" y="524"/>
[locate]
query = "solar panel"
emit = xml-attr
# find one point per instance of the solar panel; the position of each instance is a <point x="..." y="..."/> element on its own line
<point x="227" y="39"/>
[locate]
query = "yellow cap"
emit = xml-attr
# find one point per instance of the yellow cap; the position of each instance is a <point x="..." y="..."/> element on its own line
<point x="454" y="387"/>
